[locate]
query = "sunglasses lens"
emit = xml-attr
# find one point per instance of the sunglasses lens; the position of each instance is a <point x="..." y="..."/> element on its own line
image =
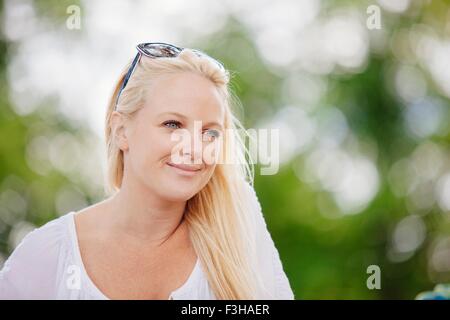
<point x="160" y="50"/>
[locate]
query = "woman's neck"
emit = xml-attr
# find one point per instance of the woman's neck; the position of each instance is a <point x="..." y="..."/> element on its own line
<point x="140" y="215"/>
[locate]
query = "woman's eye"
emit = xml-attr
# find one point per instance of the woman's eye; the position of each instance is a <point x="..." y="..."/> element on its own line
<point x="172" y="124"/>
<point x="211" y="134"/>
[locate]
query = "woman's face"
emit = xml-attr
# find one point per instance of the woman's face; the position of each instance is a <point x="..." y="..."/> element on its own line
<point x="169" y="141"/>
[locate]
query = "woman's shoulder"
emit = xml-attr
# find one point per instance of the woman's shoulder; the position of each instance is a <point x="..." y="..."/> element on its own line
<point x="41" y="239"/>
<point x="33" y="264"/>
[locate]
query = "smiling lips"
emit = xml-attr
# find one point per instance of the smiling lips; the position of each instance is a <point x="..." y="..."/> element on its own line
<point x="186" y="169"/>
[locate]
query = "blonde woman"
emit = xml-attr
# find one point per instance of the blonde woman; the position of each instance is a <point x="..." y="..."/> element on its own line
<point x="172" y="227"/>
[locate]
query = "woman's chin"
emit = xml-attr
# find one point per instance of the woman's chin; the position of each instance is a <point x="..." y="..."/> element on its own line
<point x="178" y="191"/>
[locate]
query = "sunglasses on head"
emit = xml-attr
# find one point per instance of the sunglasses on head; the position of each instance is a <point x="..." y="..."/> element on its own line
<point x="158" y="50"/>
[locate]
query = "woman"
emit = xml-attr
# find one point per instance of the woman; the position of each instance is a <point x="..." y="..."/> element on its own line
<point x="180" y="222"/>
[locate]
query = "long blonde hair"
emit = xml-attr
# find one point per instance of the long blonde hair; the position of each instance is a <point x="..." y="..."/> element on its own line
<point x="219" y="217"/>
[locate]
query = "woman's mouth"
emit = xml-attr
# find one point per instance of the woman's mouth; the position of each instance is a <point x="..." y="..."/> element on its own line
<point x="186" y="169"/>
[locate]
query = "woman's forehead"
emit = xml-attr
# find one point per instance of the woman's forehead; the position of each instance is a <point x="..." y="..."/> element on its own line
<point x="185" y="86"/>
<point x="188" y="95"/>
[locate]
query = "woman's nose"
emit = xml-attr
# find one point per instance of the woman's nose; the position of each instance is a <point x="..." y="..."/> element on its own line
<point x="196" y="147"/>
<point x="192" y="146"/>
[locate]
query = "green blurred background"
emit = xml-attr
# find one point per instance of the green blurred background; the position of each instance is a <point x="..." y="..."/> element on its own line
<point x="363" y="114"/>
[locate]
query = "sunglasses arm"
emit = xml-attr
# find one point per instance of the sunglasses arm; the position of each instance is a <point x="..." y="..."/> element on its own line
<point x="127" y="76"/>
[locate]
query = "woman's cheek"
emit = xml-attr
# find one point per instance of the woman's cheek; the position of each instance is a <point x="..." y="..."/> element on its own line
<point x="212" y="153"/>
<point x="158" y="144"/>
<point x="209" y="170"/>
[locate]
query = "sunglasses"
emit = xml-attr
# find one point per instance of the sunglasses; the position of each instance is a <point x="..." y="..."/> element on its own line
<point x="158" y="50"/>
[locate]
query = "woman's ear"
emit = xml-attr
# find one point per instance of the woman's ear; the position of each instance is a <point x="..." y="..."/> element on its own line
<point x="118" y="130"/>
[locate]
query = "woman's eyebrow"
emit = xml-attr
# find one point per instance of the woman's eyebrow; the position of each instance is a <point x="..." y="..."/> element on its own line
<point x="173" y="113"/>
<point x="213" y="123"/>
<point x="210" y="123"/>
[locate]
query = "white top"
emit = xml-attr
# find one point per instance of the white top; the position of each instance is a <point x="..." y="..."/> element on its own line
<point x="47" y="264"/>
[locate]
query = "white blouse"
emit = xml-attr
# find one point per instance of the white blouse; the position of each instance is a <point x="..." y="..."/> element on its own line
<point x="47" y="264"/>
